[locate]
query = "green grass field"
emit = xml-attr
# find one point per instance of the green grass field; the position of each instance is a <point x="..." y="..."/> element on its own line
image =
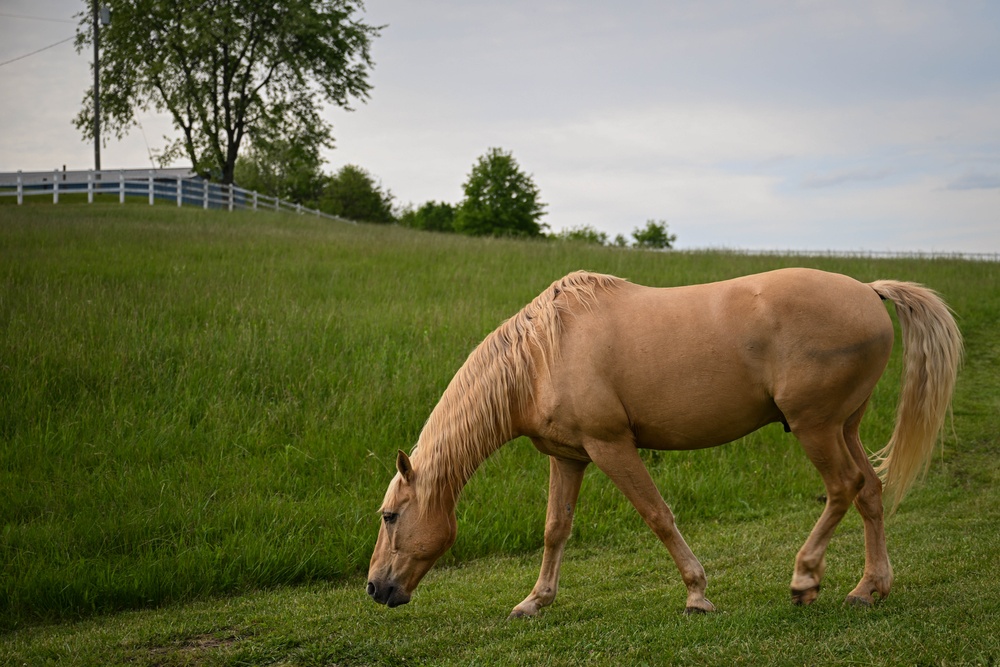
<point x="198" y="420"/>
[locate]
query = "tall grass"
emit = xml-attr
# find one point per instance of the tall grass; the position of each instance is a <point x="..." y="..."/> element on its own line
<point x="198" y="402"/>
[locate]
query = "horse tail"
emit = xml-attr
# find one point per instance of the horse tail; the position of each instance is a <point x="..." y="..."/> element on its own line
<point x="932" y="353"/>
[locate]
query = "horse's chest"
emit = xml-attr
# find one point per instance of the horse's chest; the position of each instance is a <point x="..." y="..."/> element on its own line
<point x="560" y="450"/>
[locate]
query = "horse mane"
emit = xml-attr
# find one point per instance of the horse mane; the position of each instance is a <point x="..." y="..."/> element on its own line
<point x="474" y="416"/>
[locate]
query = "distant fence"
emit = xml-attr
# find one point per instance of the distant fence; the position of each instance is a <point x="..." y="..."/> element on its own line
<point x="173" y="185"/>
<point x="187" y="189"/>
<point x="858" y="254"/>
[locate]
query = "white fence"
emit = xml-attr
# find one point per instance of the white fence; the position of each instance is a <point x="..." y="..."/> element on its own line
<point x="858" y="254"/>
<point x="173" y="185"/>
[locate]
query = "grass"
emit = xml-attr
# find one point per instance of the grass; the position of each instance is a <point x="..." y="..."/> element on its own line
<point x="199" y="404"/>
<point x="618" y="605"/>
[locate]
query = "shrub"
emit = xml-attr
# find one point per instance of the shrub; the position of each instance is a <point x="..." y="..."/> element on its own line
<point x="654" y="236"/>
<point x="583" y="234"/>
<point x="352" y="193"/>
<point x="431" y="217"/>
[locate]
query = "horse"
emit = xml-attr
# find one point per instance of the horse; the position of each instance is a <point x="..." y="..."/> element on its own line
<point x="596" y="367"/>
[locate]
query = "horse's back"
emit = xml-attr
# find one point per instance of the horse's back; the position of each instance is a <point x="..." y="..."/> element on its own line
<point x="700" y="365"/>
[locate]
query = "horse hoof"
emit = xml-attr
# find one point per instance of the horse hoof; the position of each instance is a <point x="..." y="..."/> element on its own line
<point x="855" y="601"/>
<point x="705" y="608"/>
<point x="519" y="613"/>
<point x="806" y="596"/>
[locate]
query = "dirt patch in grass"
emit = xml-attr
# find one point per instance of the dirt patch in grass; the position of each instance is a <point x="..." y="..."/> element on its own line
<point x="190" y="650"/>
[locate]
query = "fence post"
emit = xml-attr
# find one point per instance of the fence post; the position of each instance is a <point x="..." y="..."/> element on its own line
<point x="204" y="193"/>
<point x="277" y="203"/>
<point x="230" y="197"/>
<point x="20" y="187"/>
<point x="55" y="186"/>
<point x="180" y="191"/>
<point x="298" y="208"/>
<point x="150" y="187"/>
<point x="90" y="186"/>
<point x="255" y="200"/>
<point x="121" y="186"/>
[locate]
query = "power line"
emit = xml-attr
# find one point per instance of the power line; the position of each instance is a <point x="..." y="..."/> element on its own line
<point x="35" y="18"/>
<point x="44" y="48"/>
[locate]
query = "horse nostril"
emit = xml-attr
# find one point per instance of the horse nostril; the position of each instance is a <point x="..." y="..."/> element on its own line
<point x="371" y="589"/>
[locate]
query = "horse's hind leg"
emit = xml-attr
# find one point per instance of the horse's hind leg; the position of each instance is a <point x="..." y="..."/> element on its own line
<point x="827" y="449"/>
<point x="620" y="461"/>
<point x="565" y="478"/>
<point x="878" y="572"/>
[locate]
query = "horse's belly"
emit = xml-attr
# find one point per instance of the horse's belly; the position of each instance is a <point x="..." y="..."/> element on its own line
<point x="698" y="416"/>
<point x="702" y="429"/>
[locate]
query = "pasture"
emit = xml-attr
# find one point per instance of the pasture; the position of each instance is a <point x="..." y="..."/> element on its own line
<point x="200" y="413"/>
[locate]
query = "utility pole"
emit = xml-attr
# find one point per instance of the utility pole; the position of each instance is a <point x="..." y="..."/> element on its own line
<point x="97" y="88"/>
<point x="102" y="15"/>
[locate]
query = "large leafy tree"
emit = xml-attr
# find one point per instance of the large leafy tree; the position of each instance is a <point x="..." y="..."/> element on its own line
<point x="226" y="70"/>
<point x="500" y="199"/>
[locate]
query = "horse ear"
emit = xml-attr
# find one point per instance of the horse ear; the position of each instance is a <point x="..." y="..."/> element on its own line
<point x="404" y="466"/>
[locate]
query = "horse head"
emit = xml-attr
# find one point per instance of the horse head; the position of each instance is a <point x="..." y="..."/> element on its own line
<point x="413" y="535"/>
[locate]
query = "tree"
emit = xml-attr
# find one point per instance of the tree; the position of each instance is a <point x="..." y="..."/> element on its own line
<point x="583" y="234"/>
<point x="431" y="217"/>
<point x="500" y="199"/>
<point x="226" y="71"/>
<point x="654" y="236"/>
<point x="352" y="193"/>
<point x="287" y="165"/>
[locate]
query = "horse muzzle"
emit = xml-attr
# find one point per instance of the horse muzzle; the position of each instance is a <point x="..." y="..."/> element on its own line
<point x="387" y="593"/>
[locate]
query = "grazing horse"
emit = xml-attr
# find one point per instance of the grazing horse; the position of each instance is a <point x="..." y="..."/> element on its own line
<point x="596" y="367"/>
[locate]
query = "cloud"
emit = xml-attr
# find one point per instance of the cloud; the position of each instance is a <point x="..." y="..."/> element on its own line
<point x="976" y="181"/>
<point x="844" y="177"/>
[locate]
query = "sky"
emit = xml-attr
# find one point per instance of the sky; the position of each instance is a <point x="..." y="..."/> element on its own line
<point x="786" y="125"/>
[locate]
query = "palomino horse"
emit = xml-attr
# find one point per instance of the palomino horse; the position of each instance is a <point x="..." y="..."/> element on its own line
<point x="596" y="367"/>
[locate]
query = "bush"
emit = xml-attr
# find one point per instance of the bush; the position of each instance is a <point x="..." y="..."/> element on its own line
<point x="286" y="167"/>
<point x="352" y="193"/>
<point x="654" y="236"/>
<point x="583" y="234"/>
<point x="431" y="217"/>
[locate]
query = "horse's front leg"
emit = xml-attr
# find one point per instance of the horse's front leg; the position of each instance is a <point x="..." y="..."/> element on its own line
<point x="620" y="461"/>
<point x="565" y="478"/>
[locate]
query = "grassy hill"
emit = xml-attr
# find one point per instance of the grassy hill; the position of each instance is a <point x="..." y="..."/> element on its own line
<point x="199" y="403"/>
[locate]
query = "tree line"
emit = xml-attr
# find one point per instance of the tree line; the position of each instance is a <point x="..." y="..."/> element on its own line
<point x="500" y="199"/>
<point x="245" y="83"/>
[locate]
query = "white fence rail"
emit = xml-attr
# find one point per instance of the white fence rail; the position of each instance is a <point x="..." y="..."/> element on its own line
<point x="858" y="254"/>
<point x="173" y="185"/>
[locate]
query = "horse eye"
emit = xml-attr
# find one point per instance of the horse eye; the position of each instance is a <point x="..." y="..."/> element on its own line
<point x="390" y="517"/>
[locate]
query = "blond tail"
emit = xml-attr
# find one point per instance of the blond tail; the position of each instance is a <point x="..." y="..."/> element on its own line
<point x="932" y="353"/>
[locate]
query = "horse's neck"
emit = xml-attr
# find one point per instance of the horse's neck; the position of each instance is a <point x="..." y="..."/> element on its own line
<point x="476" y="413"/>
<point x="470" y="422"/>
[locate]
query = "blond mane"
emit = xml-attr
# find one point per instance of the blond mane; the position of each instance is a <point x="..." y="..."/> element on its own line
<point x="474" y="417"/>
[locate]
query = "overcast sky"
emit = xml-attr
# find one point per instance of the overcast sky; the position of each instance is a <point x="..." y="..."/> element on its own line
<point x="841" y="125"/>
